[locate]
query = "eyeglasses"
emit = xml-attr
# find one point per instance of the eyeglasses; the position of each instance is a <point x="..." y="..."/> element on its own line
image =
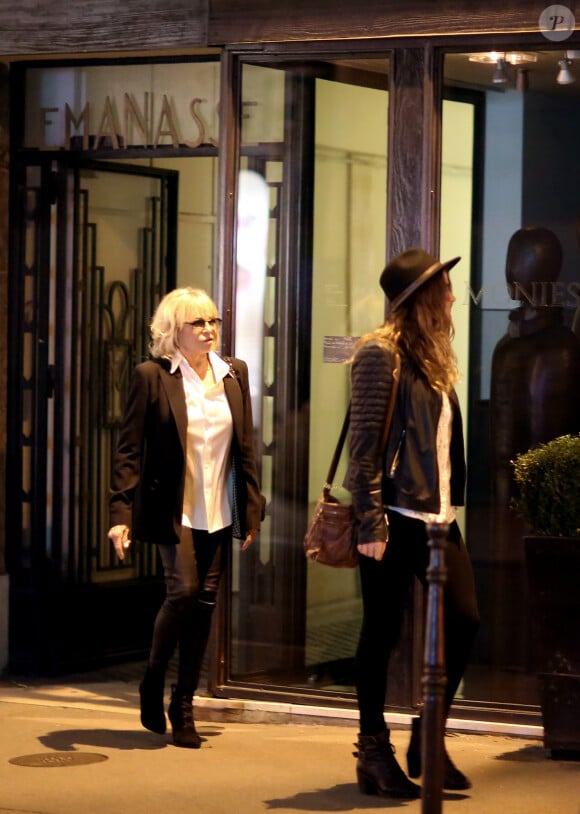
<point x="199" y="324"/>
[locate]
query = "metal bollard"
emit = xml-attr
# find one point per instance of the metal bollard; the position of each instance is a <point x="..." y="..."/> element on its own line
<point x="434" y="677"/>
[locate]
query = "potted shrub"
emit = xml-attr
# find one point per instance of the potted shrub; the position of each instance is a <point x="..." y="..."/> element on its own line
<point x="548" y="499"/>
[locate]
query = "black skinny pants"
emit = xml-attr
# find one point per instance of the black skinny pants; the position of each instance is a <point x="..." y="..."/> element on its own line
<point x="385" y="588"/>
<point x="192" y="574"/>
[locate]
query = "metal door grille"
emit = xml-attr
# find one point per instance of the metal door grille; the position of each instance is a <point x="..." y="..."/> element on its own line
<point x="82" y="332"/>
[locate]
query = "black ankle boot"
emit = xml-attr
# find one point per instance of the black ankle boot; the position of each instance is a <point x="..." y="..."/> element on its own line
<point x="453" y="779"/>
<point x="377" y="769"/>
<point x="181" y="716"/>
<point x="151" y="695"/>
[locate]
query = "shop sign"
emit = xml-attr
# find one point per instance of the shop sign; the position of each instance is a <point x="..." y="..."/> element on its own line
<point x="122" y="123"/>
<point x="118" y="107"/>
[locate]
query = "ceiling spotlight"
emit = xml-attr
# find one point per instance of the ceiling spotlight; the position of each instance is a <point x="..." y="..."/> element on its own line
<point x="565" y="76"/>
<point x="499" y="76"/>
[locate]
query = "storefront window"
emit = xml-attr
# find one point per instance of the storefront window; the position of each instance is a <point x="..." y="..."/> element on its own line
<point x="296" y="624"/>
<point x="522" y="302"/>
<point x="309" y="247"/>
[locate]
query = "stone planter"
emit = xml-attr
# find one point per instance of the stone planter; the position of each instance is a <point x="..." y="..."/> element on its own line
<point x="553" y="572"/>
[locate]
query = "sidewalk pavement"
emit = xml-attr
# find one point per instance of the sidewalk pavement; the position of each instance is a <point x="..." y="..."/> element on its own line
<point x="85" y="752"/>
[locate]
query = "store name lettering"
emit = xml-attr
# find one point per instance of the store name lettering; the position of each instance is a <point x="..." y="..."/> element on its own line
<point x="135" y="126"/>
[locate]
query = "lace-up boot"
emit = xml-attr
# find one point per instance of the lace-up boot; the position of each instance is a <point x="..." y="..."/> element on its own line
<point x="377" y="769"/>
<point x="181" y="716"/>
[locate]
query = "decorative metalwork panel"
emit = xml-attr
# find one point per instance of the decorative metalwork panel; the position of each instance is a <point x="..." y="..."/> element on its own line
<point x="83" y="328"/>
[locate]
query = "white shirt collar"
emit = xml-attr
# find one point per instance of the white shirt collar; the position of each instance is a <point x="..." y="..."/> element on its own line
<point x="220" y="367"/>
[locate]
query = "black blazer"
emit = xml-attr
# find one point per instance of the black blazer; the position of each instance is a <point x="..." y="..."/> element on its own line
<point x="149" y="464"/>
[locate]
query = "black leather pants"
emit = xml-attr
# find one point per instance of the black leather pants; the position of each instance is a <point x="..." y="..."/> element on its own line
<point x="192" y="574"/>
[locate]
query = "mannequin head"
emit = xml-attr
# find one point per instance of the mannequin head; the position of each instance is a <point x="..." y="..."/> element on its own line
<point x="534" y="255"/>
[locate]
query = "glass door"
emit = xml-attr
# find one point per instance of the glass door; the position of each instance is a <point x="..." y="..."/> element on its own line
<point x="310" y="247"/>
<point x="348" y="255"/>
<point x="313" y="153"/>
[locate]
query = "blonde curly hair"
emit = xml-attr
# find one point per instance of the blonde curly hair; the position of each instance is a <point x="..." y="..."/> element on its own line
<point x="180" y="306"/>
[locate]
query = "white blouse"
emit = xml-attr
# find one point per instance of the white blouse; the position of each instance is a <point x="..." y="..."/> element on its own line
<point x="206" y="503"/>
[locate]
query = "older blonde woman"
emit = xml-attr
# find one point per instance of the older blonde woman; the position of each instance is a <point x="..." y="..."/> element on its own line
<point x="187" y="430"/>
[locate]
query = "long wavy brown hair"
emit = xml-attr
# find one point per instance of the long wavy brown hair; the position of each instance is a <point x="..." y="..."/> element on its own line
<point x="421" y="331"/>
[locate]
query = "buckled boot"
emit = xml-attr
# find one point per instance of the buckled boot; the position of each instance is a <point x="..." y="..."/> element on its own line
<point x="151" y="697"/>
<point x="377" y="769"/>
<point x="453" y="778"/>
<point x="181" y="716"/>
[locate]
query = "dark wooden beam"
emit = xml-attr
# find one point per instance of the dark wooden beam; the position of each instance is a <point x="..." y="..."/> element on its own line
<point x="414" y="162"/>
<point x="252" y="21"/>
<point x="89" y="26"/>
<point x="104" y="26"/>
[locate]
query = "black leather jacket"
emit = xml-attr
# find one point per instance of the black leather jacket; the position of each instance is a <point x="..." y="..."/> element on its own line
<point x="406" y="473"/>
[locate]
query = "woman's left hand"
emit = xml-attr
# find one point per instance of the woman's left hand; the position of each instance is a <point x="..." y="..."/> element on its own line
<point x="374" y="550"/>
<point x="249" y="539"/>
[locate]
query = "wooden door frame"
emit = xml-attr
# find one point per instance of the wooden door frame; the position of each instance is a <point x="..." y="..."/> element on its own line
<point x="55" y="597"/>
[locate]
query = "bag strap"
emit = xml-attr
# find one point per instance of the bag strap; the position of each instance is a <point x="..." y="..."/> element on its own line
<point x="342" y="437"/>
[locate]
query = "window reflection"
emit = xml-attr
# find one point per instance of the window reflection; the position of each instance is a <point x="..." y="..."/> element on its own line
<point x="524" y="156"/>
<point x="252" y="247"/>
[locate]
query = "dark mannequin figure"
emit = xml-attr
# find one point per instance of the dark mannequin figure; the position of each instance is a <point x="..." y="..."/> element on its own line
<point x="535" y="396"/>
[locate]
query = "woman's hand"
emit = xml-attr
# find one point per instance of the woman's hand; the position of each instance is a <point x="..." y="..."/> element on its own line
<point x="119" y="536"/>
<point x="374" y="550"/>
<point x="249" y="539"/>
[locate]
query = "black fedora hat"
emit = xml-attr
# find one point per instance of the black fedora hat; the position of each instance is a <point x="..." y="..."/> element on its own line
<point x="406" y="272"/>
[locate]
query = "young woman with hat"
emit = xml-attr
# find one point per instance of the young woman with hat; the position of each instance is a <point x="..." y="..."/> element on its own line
<point x="417" y="478"/>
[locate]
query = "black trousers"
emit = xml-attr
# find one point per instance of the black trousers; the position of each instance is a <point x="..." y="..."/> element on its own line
<point x="385" y="588"/>
<point x="192" y="575"/>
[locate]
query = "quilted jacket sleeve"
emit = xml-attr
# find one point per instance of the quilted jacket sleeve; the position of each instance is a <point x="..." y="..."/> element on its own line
<point x="371" y="382"/>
